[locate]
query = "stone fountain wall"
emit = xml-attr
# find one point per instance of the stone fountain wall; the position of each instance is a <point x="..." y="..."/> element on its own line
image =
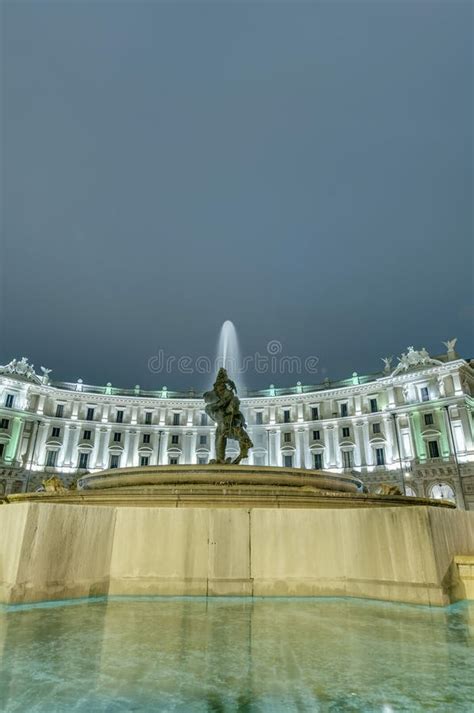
<point x="58" y="551"/>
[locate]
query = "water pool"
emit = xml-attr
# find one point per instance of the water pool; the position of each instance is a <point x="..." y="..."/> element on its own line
<point x="218" y="655"/>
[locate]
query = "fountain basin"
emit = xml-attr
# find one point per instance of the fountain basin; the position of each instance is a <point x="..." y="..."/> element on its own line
<point x="215" y="485"/>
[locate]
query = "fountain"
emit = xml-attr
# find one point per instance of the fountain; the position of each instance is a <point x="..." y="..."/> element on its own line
<point x="228" y="352"/>
<point x="227" y="528"/>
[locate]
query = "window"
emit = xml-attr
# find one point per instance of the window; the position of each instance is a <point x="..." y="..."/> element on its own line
<point x="202" y="440"/>
<point x="318" y="461"/>
<point x="429" y="419"/>
<point x="173" y="461"/>
<point x="146" y="438"/>
<point x="442" y="491"/>
<point x="376" y="428"/>
<point x="175" y="439"/>
<point x="346" y="432"/>
<point x="373" y="405"/>
<point x="176" y="419"/>
<point x="202" y="460"/>
<point x="148" y="417"/>
<point x="114" y="461"/>
<point x="55" y="432"/>
<point x="343" y="410"/>
<point x="117" y="437"/>
<point x="287" y="437"/>
<point x="9" y="400"/>
<point x="204" y="419"/>
<point x="347" y="459"/>
<point x="2" y="448"/>
<point x="380" y="456"/>
<point x="288" y="461"/>
<point x="90" y="414"/>
<point x="424" y="393"/>
<point x="314" y="413"/>
<point x="144" y="460"/>
<point x="87" y="435"/>
<point x="83" y="460"/>
<point x="4" y="423"/>
<point x="51" y="458"/>
<point x="259" y="418"/>
<point x="433" y="449"/>
<point x="286" y="416"/>
<point x="119" y="417"/>
<point x="316" y="435"/>
<point x="59" y="410"/>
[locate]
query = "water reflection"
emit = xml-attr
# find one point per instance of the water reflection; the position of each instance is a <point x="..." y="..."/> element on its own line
<point x="220" y="655"/>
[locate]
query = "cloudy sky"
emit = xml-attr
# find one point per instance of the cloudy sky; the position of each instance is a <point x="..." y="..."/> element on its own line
<point x="301" y="168"/>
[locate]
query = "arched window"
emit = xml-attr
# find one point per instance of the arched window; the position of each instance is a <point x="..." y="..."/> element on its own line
<point x="410" y="491"/>
<point x="442" y="491"/>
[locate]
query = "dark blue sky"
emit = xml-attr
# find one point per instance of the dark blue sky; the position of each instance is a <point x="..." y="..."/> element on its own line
<point x="303" y="169"/>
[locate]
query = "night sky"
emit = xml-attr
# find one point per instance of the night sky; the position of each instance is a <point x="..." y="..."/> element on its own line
<point x="303" y="169"/>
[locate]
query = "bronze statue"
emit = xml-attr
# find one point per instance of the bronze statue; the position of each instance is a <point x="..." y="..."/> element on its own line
<point x="223" y="406"/>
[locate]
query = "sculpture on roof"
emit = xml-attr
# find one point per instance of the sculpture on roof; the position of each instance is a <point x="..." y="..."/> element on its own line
<point x="21" y="368"/>
<point x="387" y="364"/>
<point x="450" y="344"/>
<point x="46" y="373"/>
<point x="413" y="359"/>
<point x="223" y="407"/>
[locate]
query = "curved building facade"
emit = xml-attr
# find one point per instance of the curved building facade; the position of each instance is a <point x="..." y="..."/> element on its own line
<point x="410" y="425"/>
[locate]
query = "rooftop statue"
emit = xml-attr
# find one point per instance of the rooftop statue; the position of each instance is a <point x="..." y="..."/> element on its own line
<point x="223" y="407"/>
<point x="21" y="367"/>
<point x="414" y="359"/>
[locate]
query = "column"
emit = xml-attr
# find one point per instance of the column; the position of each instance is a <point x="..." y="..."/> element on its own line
<point x="95" y="455"/>
<point x="155" y="444"/>
<point x="444" y="439"/>
<point x="391" y="397"/>
<point x="457" y="384"/>
<point x="467" y="428"/>
<point x="162" y="439"/>
<point x="359" y="454"/>
<point x="40" y="457"/>
<point x="391" y="442"/>
<point x="187" y="447"/>
<point x="457" y="477"/>
<point x="299" y="444"/>
<point x="15" y="440"/>
<point x="420" y="448"/>
<point x="31" y="443"/>
<point x="274" y="451"/>
<point x="369" y="453"/>
<point x="192" y="454"/>
<point x="337" y="450"/>
<point x="130" y="452"/>
<point x="63" y="453"/>
<point x="305" y="452"/>
<point x="329" y="451"/>
<point x="103" y="448"/>
<point x="71" y="458"/>
<point x="40" y="406"/>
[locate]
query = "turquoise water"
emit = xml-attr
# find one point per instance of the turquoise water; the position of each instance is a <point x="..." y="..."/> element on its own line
<point x="229" y="655"/>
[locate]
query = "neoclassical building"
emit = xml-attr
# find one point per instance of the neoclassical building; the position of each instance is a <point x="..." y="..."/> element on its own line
<point x="410" y="425"/>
